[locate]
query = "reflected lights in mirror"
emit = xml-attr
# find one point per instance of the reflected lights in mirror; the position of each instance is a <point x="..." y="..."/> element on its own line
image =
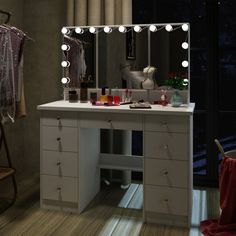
<point x="185" y="63"/>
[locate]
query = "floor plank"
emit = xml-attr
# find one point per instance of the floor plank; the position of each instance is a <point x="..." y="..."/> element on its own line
<point x="103" y="216"/>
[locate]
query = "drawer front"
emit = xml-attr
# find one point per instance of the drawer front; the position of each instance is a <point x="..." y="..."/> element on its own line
<point x="166" y="200"/>
<point x="165" y="123"/>
<point x="166" y="173"/>
<point x="58" y="118"/>
<point x="59" y="188"/>
<point x="172" y="146"/>
<point x="59" y="163"/>
<point x="64" y="139"/>
<point x="111" y="121"/>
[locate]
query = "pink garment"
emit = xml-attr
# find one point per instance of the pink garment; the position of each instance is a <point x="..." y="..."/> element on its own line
<point x="226" y="224"/>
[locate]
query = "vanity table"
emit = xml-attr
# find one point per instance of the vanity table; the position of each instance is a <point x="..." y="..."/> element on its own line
<point x="70" y="159"/>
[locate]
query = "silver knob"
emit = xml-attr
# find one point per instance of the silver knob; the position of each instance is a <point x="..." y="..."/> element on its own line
<point x="166" y="146"/>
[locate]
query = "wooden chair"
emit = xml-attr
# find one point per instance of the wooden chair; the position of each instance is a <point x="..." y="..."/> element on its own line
<point x="7" y="171"/>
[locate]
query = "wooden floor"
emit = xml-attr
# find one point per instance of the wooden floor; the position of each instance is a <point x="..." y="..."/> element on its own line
<point x="108" y="215"/>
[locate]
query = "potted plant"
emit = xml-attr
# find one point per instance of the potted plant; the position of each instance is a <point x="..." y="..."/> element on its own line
<point x="177" y="81"/>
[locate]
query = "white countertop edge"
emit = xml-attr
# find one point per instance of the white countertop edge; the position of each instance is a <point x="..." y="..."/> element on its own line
<point x="63" y="105"/>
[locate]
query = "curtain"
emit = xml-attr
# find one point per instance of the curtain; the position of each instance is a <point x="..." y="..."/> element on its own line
<point x="99" y="12"/>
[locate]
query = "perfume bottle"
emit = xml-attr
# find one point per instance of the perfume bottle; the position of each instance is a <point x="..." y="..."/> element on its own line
<point x="163" y="98"/>
<point x="103" y="97"/>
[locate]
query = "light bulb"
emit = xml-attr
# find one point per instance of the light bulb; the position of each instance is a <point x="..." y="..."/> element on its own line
<point x="65" y="63"/>
<point x="107" y="29"/>
<point x="65" y="80"/>
<point x="78" y="30"/>
<point x="185" y="63"/>
<point x="122" y="29"/>
<point x="169" y="28"/>
<point x="185" y="27"/>
<point x="92" y="30"/>
<point x="65" y="47"/>
<point x="185" y="82"/>
<point x="185" y="45"/>
<point x="64" y="30"/>
<point x="137" y="28"/>
<point x="153" y="28"/>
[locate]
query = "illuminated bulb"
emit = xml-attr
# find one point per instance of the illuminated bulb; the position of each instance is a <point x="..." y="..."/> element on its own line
<point x="185" y="45"/>
<point x="122" y="29"/>
<point x="65" y="47"/>
<point x="65" y="80"/>
<point x="185" y="82"/>
<point x="169" y="28"/>
<point x="78" y="30"/>
<point x="64" y="30"/>
<point x="92" y="30"/>
<point x="65" y="63"/>
<point x="137" y="28"/>
<point x="107" y="29"/>
<point x="185" y="63"/>
<point x="185" y="27"/>
<point x="153" y="28"/>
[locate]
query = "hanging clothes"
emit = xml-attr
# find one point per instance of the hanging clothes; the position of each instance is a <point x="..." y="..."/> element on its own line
<point x="76" y="57"/>
<point x="11" y="79"/>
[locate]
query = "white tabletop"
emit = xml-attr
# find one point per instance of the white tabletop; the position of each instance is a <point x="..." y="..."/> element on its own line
<point x="63" y="105"/>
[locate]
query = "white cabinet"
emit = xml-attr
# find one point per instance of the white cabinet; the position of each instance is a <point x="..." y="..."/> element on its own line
<point x="167" y="169"/>
<point x="70" y="157"/>
<point x="59" y="161"/>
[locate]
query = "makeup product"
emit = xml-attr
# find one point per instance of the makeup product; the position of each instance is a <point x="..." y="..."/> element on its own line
<point x="84" y="91"/>
<point x="103" y="97"/>
<point x="116" y="100"/>
<point x="93" y="97"/>
<point x="73" y="96"/>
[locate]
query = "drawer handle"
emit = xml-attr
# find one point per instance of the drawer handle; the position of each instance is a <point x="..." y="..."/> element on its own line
<point x="58" y="189"/>
<point x="58" y="163"/>
<point x="165" y="173"/>
<point x="109" y="121"/>
<point x="166" y="200"/>
<point x="58" y="117"/>
<point x="164" y="123"/>
<point x="165" y="146"/>
<point x="58" y="139"/>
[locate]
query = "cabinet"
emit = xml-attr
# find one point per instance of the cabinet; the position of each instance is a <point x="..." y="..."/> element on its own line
<point x="167" y="169"/>
<point x="71" y="159"/>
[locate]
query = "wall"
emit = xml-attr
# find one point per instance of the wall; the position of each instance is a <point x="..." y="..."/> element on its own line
<point x="42" y="21"/>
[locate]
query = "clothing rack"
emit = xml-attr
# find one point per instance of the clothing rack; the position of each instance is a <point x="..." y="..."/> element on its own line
<point x="8" y="14"/>
<point x="7" y="170"/>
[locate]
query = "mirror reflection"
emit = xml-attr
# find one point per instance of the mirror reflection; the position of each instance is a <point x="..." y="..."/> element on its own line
<point x="140" y="57"/>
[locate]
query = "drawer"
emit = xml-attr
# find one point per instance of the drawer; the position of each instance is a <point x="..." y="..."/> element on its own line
<point x="166" y="200"/>
<point x="64" y="139"/>
<point x="173" y="146"/>
<point x="166" y="123"/>
<point x="59" y="163"/>
<point x="59" y="188"/>
<point x="58" y="118"/>
<point x="111" y="121"/>
<point x="166" y="173"/>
